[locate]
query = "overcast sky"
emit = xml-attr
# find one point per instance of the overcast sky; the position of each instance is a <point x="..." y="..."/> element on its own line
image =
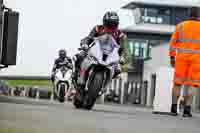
<point x="48" y="25"/>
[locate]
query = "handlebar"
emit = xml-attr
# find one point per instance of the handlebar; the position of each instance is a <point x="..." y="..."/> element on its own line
<point x="90" y="45"/>
<point x="80" y="49"/>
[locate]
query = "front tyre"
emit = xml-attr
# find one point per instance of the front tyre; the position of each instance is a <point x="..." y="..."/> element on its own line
<point x="94" y="87"/>
<point x="62" y="94"/>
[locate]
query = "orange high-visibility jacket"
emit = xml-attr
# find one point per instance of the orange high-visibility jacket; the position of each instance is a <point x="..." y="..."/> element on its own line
<point x="185" y="47"/>
<point x="185" y="41"/>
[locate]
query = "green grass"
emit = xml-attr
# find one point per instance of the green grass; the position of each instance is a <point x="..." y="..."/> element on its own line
<point x="29" y="82"/>
<point x="16" y="130"/>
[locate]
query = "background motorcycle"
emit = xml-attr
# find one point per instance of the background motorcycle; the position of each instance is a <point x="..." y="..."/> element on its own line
<point x="96" y="71"/>
<point x="62" y="83"/>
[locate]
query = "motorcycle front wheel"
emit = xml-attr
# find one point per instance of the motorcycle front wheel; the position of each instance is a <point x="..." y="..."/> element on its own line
<point x="62" y="94"/>
<point x="94" y="87"/>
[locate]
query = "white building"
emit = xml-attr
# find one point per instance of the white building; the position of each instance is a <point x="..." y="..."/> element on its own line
<point x="148" y="39"/>
<point x="155" y="22"/>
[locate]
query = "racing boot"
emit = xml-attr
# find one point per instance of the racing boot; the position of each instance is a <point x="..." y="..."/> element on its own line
<point x="116" y="73"/>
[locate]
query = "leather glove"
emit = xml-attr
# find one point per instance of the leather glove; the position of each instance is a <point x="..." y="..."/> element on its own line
<point x="84" y="46"/>
<point x="122" y="61"/>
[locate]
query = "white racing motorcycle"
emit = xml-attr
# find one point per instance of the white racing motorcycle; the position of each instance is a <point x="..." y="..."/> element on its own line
<point x="62" y="83"/>
<point x="96" y="71"/>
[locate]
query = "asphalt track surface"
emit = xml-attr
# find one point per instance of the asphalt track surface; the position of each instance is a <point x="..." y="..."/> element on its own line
<point x="21" y="115"/>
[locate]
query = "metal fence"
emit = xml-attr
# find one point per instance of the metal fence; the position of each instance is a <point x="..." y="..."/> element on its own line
<point x="124" y="92"/>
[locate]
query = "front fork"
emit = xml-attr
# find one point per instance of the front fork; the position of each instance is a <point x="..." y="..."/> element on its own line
<point x="106" y="81"/>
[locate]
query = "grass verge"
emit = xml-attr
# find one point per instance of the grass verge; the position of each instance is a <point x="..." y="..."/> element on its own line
<point x="29" y="82"/>
<point x="16" y="130"/>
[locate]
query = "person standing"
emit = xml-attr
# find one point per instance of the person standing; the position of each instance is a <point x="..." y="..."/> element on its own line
<point x="185" y="58"/>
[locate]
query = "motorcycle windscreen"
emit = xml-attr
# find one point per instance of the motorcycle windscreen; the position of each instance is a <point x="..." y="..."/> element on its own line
<point x="63" y="73"/>
<point x="105" y="46"/>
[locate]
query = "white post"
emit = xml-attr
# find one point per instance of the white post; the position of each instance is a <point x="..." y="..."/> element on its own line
<point x="124" y="80"/>
<point x="122" y="92"/>
<point x="52" y="97"/>
<point x="12" y="92"/>
<point x="117" y="87"/>
<point x="102" y="98"/>
<point x="194" y="108"/>
<point x="129" y="88"/>
<point x="37" y="95"/>
<point x="196" y="99"/>
<point x="109" y="87"/>
<point x="113" y="85"/>
<point x="180" y="99"/>
<point x="23" y="93"/>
